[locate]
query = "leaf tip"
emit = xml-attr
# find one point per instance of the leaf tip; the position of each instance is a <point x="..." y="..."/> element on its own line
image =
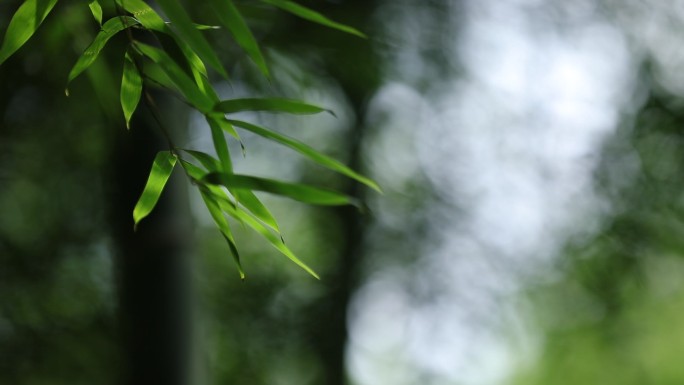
<point x="66" y="92"/>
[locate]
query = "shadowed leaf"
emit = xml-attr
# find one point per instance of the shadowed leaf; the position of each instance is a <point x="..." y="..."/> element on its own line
<point x="311" y="15"/>
<point x="131" y="88"/>
<point x="187" y="30"/>
<point x="231" y="18"/>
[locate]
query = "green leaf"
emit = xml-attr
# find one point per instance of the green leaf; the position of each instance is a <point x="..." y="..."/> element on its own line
<point x="307" y="151"/>
<point x="296" y="191"/>
<point x="144" y="13"/>
<point x="244" y="197"/>
<point x="161" y="170"/>
<point x="109" y="29"/>
<point x="274" y="240"/>
<point x="269" y="105"/>
<point x="220" y="144"/>
<point x="96" y="9"/>
<point x="311" y="15"/>
<point x="222" y="224"/>
<point x="186" y="85"/>
<point x="185" y="28"/>
<point x="231" y="18"/>
<point x="24" y="24"/>
<point x="131" y="88"/>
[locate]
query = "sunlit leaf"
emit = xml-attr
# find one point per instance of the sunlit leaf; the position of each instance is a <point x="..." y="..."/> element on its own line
<point x="182" y="81"/>
<point x="269" y="105"/>
<point x="159" y="175"/>
<point x="96" y="10"/>
<point x="307" y="151"/>
<point x="110" y="28"/>
<point x="311" y="15"/>
<point x="231" y="18"/>
<point x="245" y="197"/>
<point x="131" y="88"/>
<point x="223" y="226"/>
<point x="273" y="239"/>
<point x="144" y="13"/>
<point x="187" y="30"/>
<point x="24" y="24"/>
<point x="296" y="191"/>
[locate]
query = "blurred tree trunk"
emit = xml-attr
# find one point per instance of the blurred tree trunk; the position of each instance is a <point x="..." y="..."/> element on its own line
<point x="153" y="278"/>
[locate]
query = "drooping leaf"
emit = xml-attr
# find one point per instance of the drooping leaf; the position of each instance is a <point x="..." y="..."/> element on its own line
<point x="296" y="191"/>
<point x="311" y="15"/>
<point x="24" y="24"/>
<point x="184" y="26"/>
<point x="96" y="10"/>
<point x="274" y="240"/>
<point x="131" y="88"/>
<point x="182" y="81"/>
<point x="110" y="28"/>
<point x="245" y="197"/>
<point x="307" y="151"/>
<point x="220" y="144"/>
<point x="231" y="18"/>
<point x="269" y="105"/>
<point x="223" y="226"/>
<point x="161" y="170"/>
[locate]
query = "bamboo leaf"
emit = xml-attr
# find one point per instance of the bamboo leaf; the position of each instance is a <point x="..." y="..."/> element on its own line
<point x="161" y="170"/>
<point x="184" y="26"/>
<point x="131" y="88"/>
<point x="220" y="144"/>
<point x="23" y="25"/>
<point x="96" y="10"/>
<point x="109" y="29"/>
<point x="307" y="151"/>
<point x="245" y="197"/>
<point x="223" y="226"/>
<point x="182" y="81"/>
<point x="144" y="13"/>
<point x="274" y="240"/>
<point x="269" y="105"/>
<point x="311" y="15"/>
<point x="296" y="191"/>
<point x="231" y="18"/>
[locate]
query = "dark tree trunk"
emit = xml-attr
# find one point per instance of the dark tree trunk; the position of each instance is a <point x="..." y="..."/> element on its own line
<point x="153" y="278"/>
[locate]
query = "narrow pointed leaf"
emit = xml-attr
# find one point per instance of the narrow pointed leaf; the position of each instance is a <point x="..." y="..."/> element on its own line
<point x="109" y="29"/>
<point x="269" y="105"/>
<point x="296" y="191"/>
<point x="24" y="24"/>
<point x="131" y="88"/>
<point x="307" y="151"/>
<point x="96" y="10"/>
<point x="144" y="13"/>
<point x="231" y="18"/>
<point x="161" y="170"/>
<point x="186" y="29"/>
<point x="273" y="239"/>
<point x="220" y="144"/>
<point x="245" y="197"/>
<point x="223" y="226"/>
<point x="311" y="15"/>
<point x="182" y="81"/>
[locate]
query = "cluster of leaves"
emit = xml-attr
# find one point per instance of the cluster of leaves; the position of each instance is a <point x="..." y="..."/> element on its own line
<point x="225" y="193"/>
